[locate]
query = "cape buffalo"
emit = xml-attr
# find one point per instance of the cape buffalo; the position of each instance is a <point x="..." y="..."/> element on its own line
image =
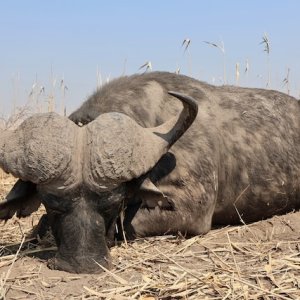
<point x="240" y="159"/>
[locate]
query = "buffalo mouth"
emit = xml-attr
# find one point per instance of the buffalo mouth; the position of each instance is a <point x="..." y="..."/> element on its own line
<point x="82" y="240"/>
<point x="80" y="264"/>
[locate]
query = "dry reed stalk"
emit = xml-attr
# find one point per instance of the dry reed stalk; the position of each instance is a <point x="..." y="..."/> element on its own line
<point x="221" y="47"/>
<point x="3" y="290"/>
<point x="267" y="48"/>
<point x="286" y="81"/>
<point x="147" y="66"/>
<point x="186" y="44"/>
<point x="99" y="82"/>
<point x="237" y="73"/>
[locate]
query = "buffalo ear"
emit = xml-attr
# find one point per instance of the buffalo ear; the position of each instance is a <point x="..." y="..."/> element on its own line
<point x="152" y="197"/>
<point x="22" y="200"/>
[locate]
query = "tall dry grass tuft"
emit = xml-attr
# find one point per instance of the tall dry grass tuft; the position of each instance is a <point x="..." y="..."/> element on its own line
<point x="48" y="97"/>
<point x="20" y="113"/>
<point x="36" y="92"/>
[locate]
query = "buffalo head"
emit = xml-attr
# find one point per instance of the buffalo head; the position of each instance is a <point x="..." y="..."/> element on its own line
<point x="81" y="175"/>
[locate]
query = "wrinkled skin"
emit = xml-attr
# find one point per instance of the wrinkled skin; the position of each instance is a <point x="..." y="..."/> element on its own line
<point x="239" y="159"/>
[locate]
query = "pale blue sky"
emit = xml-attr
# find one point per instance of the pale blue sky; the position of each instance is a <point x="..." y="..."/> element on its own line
<point x="74" y="38"/>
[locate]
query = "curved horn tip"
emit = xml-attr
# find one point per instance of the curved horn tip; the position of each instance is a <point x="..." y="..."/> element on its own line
<point x="185" y="99"/>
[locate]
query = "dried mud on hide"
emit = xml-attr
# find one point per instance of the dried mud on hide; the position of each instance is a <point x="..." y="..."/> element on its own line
<point x="256" y="261"/>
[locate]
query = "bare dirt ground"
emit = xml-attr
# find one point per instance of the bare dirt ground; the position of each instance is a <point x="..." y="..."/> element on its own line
<point x="256" y="261"/>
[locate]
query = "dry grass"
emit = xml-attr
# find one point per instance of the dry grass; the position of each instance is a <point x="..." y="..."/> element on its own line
<point x="257" y="261"/>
